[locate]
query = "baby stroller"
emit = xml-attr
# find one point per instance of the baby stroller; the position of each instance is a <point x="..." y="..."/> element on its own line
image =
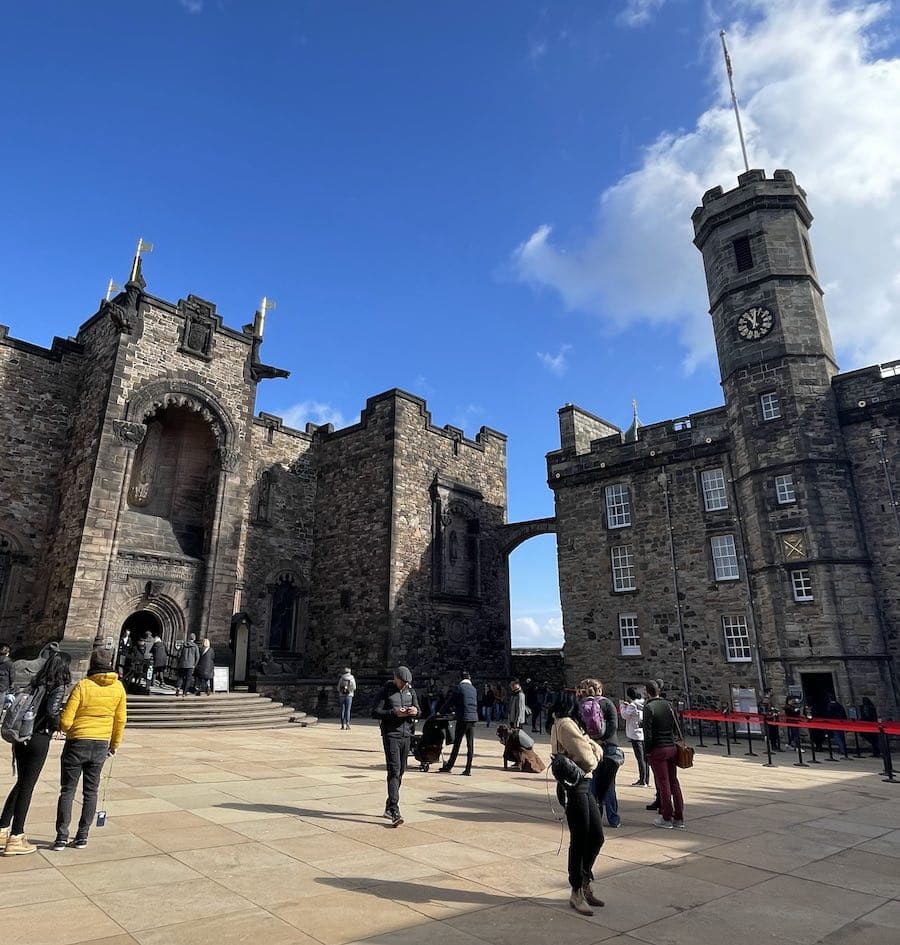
<point x="426" y="748"/>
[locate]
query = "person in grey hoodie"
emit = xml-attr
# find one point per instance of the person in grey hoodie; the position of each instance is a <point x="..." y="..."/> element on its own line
<point x="464" y="700"/>
<point x="346" y="687"/>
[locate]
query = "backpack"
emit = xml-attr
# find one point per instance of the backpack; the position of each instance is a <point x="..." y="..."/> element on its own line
<point x="17" y="726"/>
<point x="592" y="718"/>
<point x="566" y="772"/>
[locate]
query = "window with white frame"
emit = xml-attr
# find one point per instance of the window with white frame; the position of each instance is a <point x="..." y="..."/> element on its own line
<point x="801" y="582"/>
<point x="724" y="556"/>
<point x="770" y="406"/>
<point x="714" y="494"/>
<point x="784" y="490"/>
<point x="737" y="639"/>
<point x="618" y="506"/>
<point x="622" y="568"/>
<point x="629" y="635"/>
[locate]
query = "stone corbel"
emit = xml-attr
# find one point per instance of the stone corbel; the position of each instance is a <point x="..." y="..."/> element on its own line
<point x="229" y="459"/>
<point x="130" y="435"/>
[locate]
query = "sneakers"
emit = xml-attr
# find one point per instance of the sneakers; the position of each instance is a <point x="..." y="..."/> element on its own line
<point x="79" y="844"/>
<point x="4" y="836"/>
<point x="396" y="820"/>
<point x="444" y="769"/>
<point x="638" y="783"/>
<point x="58" y="845"/>
<point x="577" y="902"/>
<point x="466" y="773"/>
<point x="664" y="824"/>
<point x="678" y="824"/>
<point x="654" y="805"/>
<point x="17" y="845"/>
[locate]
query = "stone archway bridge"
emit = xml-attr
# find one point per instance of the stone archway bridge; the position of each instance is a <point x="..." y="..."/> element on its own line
<point x="512" y="535"/>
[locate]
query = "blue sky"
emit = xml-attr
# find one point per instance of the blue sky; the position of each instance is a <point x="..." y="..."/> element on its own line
<point x="484" y="203"/>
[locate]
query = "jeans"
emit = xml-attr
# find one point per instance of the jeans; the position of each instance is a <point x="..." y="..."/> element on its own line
<point x="585" y="833"/>
<point x="82" y="756"/>
<point x="30" y="759"/>
<point x="185" y="680"/>
<point x="665" y="773"/>
<point x="839" y="741"/>
<point x="637" y="746"/>
<point x="203" y="684"/>
<point x="396" y="751"/>
<point x="603" y="789"/>
<point x="467" y="729"/>
<point x="346" y="703"/>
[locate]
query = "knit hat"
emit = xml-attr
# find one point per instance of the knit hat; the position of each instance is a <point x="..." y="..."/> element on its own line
<point x="100" y="663"/>
<point x="402" y="672"/>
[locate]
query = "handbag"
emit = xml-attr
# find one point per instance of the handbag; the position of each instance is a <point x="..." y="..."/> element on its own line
<point x="614" y="753"/>
<point x="565" y="770"/>
<point x="684" y="753"/>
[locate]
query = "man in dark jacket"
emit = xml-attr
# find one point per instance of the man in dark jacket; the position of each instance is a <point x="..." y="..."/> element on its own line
<point x="6" y="668"/>
<point x="397" y="707"/>
<point x="160" y="656"/>
<point x="464" y="700"/>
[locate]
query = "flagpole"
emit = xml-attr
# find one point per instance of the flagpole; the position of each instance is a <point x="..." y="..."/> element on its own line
<point x="734" y="101"/>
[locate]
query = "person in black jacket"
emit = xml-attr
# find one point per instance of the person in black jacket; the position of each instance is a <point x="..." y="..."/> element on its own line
<point x="660" y="733"/>
<point x="464" y="700"/>
<point x="6" y="668"/>
<point x="205" y="668"/>
<point x="397" y="707"/>
<point x="55" y="677"/>
<point x="160" y="656"/>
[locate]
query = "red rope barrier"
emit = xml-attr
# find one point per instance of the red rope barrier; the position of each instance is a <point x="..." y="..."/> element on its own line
<point x="832" y="725"/>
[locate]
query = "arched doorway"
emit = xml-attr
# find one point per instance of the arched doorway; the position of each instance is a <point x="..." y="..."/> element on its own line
<point x="134" y="629"/>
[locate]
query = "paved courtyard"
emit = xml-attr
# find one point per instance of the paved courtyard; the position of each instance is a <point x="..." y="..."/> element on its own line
<point x="275" y="838"/>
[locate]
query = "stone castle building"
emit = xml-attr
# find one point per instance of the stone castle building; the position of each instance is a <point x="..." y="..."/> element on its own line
<point x="757" y="543"/>
<point x="140" y="491"/>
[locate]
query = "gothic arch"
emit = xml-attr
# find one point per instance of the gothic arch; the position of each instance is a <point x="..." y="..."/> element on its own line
<point x="154" y="396"/>
<point x="163" y="607"/>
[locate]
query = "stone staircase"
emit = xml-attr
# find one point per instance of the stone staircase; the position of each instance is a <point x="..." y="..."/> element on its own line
<point x="221" y="710"/>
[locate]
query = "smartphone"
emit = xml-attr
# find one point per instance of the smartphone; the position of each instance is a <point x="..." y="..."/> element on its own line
<point x="101" y="818"/>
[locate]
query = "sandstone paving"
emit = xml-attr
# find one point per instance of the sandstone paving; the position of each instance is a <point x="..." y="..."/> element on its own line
<point x="277" y="837"/>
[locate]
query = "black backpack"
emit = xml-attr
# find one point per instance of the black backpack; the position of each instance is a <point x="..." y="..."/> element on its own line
<point x="17" y="726"/>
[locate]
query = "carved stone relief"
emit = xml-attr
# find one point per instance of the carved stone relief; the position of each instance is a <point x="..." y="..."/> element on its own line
<point x="128" y="434"/>
<point x="142" y="478"/>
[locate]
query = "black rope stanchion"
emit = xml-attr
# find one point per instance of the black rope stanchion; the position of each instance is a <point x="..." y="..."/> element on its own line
<point x="812" y="749"/>
<point x="886" y="754"/>
<point x="830" y="751"/>
<point x="700" y="730"/>
<point x="858" y="751"/>
<point x="718" y="739"/>
<point x="750" y="750"/>
<point x="768" y="763"/>
<point x="727" y="740"/>
<point x="799" y="763"/>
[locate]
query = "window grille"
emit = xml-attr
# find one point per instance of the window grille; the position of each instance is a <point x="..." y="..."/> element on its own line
<point x="743" y="256"/>
<point x="629" y="635"/>
<point x="737" y="639"/>
<point x="622" y="568"/>
<point x="714" y="495"/>
<point x="770" y="406"/>
<point x="784" y="490"/>
<point x="801" y="582"/>
<point x="618" y="506"/>
<point x="724" y="556"/>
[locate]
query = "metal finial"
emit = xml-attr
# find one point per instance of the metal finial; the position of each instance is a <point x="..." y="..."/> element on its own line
<point x="259" y="321"/>
<point x="142" y="247"/>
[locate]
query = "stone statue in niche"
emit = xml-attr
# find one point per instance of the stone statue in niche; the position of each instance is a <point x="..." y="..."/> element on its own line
<point x="5" y="565"/>
<point x="142" y="479"/>
<point x="263" y="497"/>
<point x="453" y="549"/>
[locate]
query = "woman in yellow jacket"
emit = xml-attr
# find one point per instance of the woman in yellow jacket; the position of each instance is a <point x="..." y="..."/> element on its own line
<point x="567" y="737"/>
<point x="93" y="720"/>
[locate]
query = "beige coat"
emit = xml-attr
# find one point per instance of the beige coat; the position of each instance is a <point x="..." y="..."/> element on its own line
<point x="567" y="737"/>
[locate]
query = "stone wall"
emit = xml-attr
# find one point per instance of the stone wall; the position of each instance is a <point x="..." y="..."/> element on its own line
<point x="279" y="513"/>
<point x="36" y="409"/>
<point x="695" y="607"/>
<point x="449" y="584"/>
<point x="540" y="664"/>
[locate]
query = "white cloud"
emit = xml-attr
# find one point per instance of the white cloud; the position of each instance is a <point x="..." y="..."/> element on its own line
<point x="312" y="411"/>
<point x="466" y="415"/>
<point x="555" y="363"/>
<point x="526" y="631"/>
<point x="639" y="12"/>
<point x="192" y="6"/>
<point x="816" y="99"/>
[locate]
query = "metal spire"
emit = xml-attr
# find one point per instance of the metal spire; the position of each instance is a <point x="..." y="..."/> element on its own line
<point x="142" y="247"/>
<point x="259" y="321"/>
<point x="734" y="101"/>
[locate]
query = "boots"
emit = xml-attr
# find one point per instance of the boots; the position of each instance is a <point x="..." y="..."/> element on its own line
<point x="589" y="896"/>
<point x="17" y="845"/>
<point x="576" y="901"/>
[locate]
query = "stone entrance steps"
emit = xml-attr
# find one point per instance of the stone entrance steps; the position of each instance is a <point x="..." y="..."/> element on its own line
<point x="222" y="710"/>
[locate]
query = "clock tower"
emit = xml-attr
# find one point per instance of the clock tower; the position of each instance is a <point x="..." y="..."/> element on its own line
<point x="808" y="568"/>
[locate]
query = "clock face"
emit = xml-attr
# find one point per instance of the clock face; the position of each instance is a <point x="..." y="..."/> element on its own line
<point x="755" y="323"/>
